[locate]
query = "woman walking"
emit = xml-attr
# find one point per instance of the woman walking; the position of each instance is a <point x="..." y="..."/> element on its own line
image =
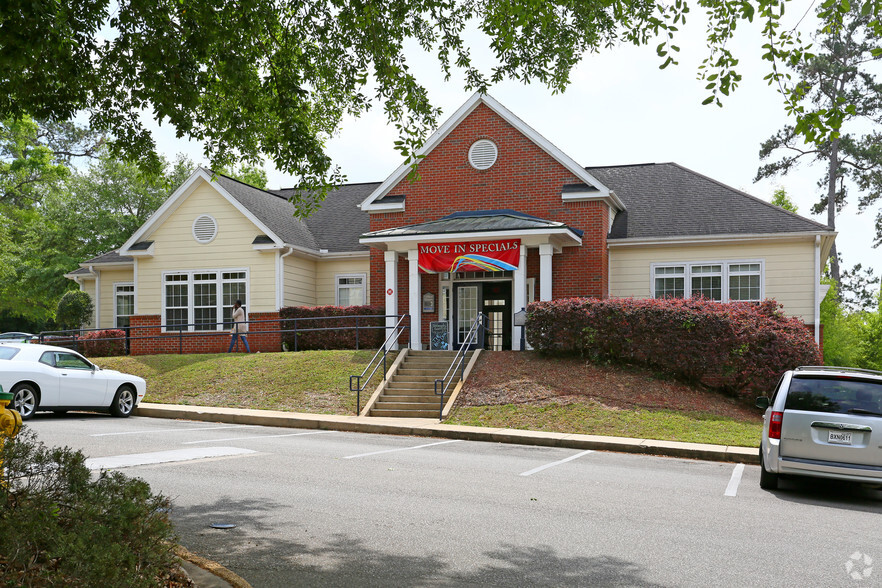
<point x="240" y="328"/>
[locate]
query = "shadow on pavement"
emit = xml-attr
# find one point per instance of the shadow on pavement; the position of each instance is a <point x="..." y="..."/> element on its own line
<point x="273" y="561"/>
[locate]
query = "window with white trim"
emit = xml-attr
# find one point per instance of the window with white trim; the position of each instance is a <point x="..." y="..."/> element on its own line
<point x="744" y="281"/>
<point x="202" y="300"/>
<point x="720" y="281"/>
<point x="123" y="304"/>
<point x="350" y="289"/>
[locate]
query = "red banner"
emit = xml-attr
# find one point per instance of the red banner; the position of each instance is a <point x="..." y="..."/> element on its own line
<point x="470" y="256"/>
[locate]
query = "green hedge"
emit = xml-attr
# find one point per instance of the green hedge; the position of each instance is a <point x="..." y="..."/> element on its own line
<point x="737" y="347"/>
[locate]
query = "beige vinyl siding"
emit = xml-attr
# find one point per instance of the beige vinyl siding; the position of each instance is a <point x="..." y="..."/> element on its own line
<point x="326" y="277"/>
<point x="108" y="303"/>
<point x="789" y="273"/>
<point x="299" y="281"/>
<point x="88" y="286"/>
<point x="175" y="249"/>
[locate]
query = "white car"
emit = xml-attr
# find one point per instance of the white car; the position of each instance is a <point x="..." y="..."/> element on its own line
<point x="44" y="377"/>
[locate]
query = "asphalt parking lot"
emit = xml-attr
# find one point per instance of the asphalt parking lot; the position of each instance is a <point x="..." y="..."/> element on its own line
<point x="334" y="508"/>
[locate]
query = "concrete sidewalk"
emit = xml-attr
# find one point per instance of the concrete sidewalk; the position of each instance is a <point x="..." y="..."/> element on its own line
<point x="432" y="428"/>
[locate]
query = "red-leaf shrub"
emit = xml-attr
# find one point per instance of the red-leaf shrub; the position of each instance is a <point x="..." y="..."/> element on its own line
<point x="103" y="343"/>
<point x="341" y="333"/>
<point x="738" y="347"/>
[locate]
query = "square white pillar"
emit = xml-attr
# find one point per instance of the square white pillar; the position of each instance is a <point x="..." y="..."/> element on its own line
<point x="390" y="293"/>
<point x="519" y="296"/>
<point x="413" y="296"/>
<point x="546" y="250"/>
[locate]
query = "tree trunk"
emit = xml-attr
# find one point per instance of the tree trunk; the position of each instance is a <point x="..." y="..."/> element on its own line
<point x="832" y="176"/>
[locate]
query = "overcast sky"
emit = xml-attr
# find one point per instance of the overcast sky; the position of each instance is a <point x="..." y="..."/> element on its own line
<point x="621" y="109"/>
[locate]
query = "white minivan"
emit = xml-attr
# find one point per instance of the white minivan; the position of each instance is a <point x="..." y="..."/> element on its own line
<point x="823" y="422"/>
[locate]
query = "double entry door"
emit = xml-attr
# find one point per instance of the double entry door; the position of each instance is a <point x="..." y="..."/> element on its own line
<point x="491" y="298"/>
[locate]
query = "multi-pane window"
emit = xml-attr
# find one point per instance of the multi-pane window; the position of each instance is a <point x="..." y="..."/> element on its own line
<point x="707" y="281"/>
<point x="202" y="300"/>
<point x="723" y="282"/>
<point x="177" y="301"/>
<point x="124" y="304"/>
<point x="669" y="282"/>
<point x="744" y="281"/>
<point x="350" y="290"/>
<point x="205" y="301"/>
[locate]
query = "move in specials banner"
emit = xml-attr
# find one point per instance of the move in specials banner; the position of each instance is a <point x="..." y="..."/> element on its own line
<point x="470" y="256"/>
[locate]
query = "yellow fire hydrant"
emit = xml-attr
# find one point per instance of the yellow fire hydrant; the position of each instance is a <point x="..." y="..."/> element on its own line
<point x="10" y="420"/>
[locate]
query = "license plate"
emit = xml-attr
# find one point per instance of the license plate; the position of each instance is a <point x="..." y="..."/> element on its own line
<point x="839" y="438"/>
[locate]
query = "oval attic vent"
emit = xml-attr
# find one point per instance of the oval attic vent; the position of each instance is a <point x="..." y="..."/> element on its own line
<point x="205" y="229"/>
<point x="482" y="154"/>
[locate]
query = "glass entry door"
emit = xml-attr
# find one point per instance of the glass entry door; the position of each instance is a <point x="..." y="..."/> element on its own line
<point x="467" y="306"/>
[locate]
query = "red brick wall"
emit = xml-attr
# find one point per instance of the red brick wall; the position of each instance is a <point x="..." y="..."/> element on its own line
<point x="146" y="338"/>
<point x="524" y="178"/>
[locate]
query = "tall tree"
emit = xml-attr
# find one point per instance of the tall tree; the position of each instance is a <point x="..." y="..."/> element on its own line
<point x="780" y="198"/>
<point x="275" y="77"/>
<point x="839" y="78"/>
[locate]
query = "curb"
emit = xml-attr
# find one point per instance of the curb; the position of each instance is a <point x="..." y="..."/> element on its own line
<point x="433" y="428"/>
<point x="212" y="567"/>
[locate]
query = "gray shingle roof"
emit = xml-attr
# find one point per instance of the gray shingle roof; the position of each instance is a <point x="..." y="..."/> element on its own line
<point x="478" y="220"/>
<point x="668" y="200"/>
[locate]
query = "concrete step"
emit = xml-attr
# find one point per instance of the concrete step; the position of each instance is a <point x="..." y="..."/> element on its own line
<point x="425" y="414"/>
<point x="426" y="364"/>
<point x="426" y="353"/>
<point x="420" y="398"/>
<point x="421" y="375"/>
<point x="407" y="406"/>
<point x="424" y="385"/>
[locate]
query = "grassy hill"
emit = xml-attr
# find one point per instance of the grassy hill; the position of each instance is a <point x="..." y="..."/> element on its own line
<point x="507" y="389"/>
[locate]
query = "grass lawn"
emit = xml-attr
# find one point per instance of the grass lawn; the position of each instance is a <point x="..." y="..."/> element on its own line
<point x="592" y="418"/>
<point x="307" y="381"/>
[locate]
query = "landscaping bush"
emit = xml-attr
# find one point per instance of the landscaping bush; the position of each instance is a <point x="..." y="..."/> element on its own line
<point x="314" y="317"/>
<point x="111" y="342"/>
<point x="60" y="526"/>
<point x="737" y="347"/>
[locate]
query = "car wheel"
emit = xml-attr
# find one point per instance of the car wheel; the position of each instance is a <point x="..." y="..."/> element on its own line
<point x="25" y="400"/>
<point x="768" y="480"/>
<point x="123" y="402"/>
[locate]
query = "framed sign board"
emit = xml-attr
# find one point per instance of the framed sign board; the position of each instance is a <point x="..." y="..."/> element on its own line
<point x="428" y="302"/>
<point x="438" y="336"/>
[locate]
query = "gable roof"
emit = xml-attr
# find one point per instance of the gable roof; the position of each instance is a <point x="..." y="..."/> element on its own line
<point x="382" y="193"/>
<point x="334" y="227"/>
<point x="667" y="200"/>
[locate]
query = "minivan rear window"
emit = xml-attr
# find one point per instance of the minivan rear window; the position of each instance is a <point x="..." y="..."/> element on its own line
<point x="8" y="352"/>
<point x="837" y="395"/>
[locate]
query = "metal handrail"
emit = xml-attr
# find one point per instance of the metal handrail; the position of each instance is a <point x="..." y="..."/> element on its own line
<point x="459" y="360"/>
<point x="396" y="332"/>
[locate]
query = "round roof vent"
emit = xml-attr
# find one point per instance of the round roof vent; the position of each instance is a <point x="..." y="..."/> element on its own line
<point x="483" y="154"/>
<point x="204" y="229"/>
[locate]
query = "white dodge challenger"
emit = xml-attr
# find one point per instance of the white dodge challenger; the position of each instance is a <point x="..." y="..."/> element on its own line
<point x="43" y="377"/>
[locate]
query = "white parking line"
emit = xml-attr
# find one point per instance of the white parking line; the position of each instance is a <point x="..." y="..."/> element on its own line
<point x="400" y="449"/>
<point x="557" y="463"/>
<point x="255" y="437"/>
<point x="136" y="459"/>
<point x="167" y="430"/>
<point x="732" y="488"/>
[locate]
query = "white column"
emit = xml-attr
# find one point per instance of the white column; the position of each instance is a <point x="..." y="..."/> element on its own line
<point x="519" y="296"/>
<point x="413" y="296"/>
<point x="545" y="252"/>
<point x="390" y="293"/>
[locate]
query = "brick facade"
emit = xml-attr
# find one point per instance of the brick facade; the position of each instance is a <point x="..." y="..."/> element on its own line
<point x="524" y="178"/>
<point x="146" y="337"/>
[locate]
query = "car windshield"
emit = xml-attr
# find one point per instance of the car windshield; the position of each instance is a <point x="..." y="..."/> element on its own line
<point x="8" y="352"/>
<point x="835" y="394"/>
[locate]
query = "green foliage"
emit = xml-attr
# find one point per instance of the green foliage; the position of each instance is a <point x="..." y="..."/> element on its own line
<point x="842" y="330"/>
<point x="276" y="78"/>
<point x="871" y="344"/>
<point x="74" y="309"/>
<point x="780" y="198"/>
<point x="60" y="526"/>
<point x="249" y="174"/>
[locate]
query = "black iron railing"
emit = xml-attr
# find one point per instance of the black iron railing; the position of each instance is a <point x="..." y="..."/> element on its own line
<point x="390" y="341"/>
<point x="479" y="326"/>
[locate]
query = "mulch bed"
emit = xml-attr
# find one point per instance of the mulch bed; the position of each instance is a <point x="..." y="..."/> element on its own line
<point x="515" y="377"/>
